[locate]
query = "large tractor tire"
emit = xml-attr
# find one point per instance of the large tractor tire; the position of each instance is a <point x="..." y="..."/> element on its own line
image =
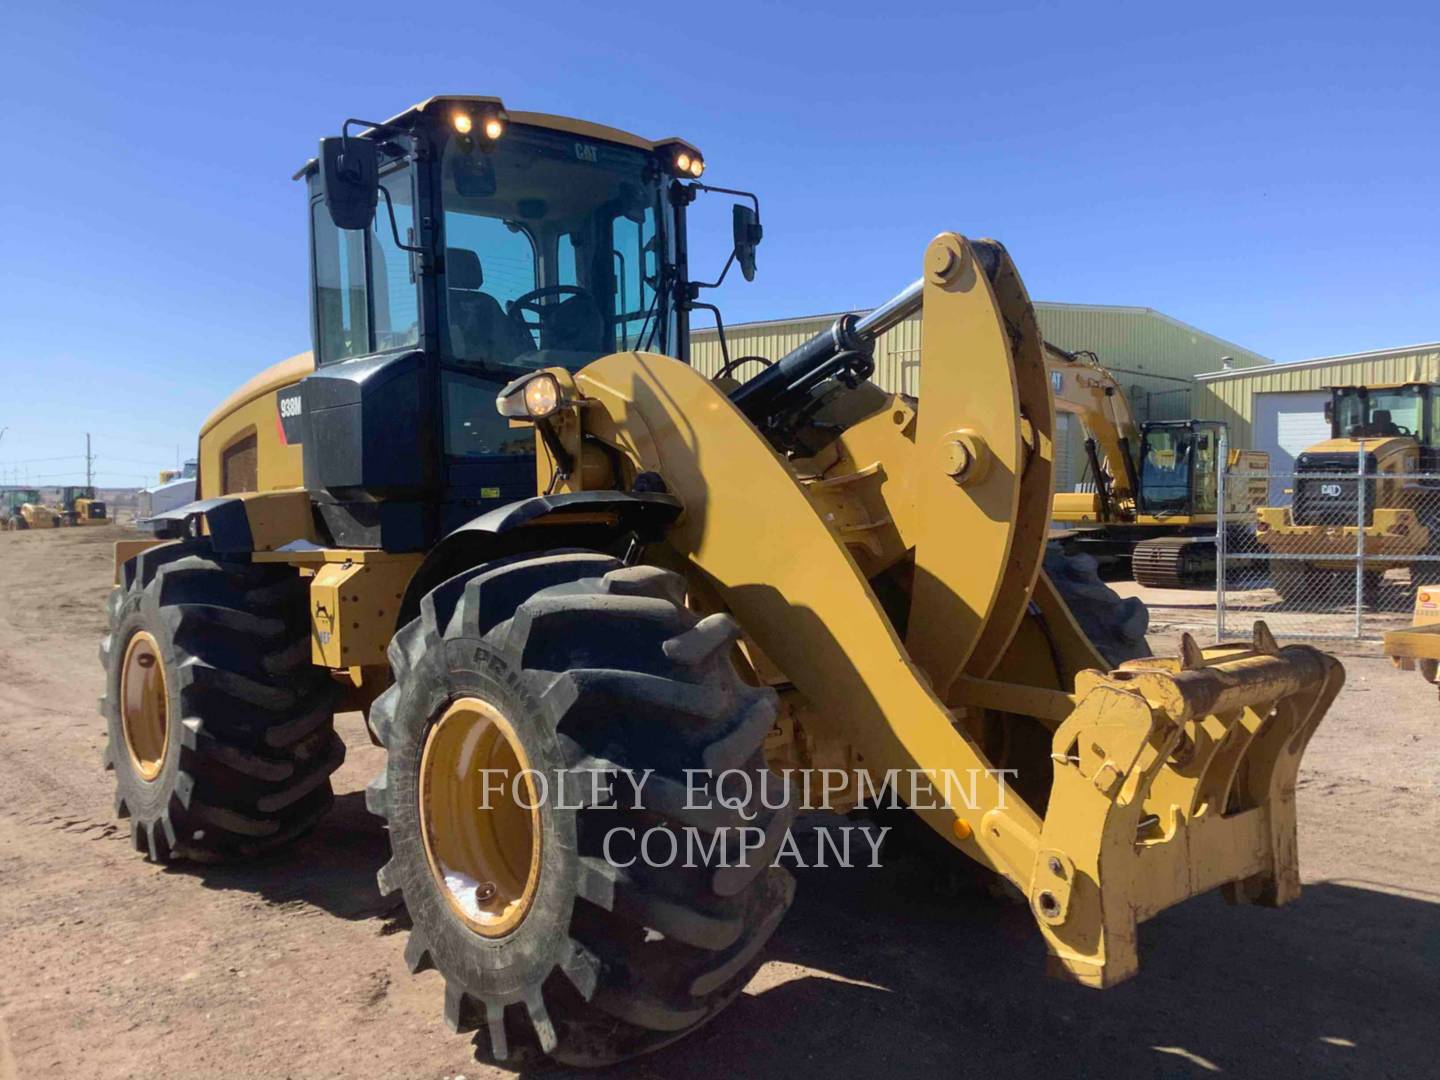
<point x="1309" y="588"/>
<point x="1295" y="582"/>
<point x="1114" y="624"/>
<point x="221" y="733"/>
<point x="550" y="666"/>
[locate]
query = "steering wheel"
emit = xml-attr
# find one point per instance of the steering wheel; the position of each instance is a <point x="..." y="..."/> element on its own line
<point x="530" y="302"/>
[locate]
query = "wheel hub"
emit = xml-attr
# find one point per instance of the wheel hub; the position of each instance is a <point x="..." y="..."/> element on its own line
<point x="479" y="817"/>
<point x="144" y="705"/>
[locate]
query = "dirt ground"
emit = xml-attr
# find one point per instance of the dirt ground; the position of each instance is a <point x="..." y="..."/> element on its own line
<point x="293" y="966"/>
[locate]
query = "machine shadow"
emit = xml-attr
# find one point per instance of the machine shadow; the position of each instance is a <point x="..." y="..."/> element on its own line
<point x="869" y="975"/>
<point x="1343" y="982"/>
<point x="332" y="867"/>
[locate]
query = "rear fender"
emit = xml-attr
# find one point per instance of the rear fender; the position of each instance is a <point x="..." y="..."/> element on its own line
<point x="243" y="523"/>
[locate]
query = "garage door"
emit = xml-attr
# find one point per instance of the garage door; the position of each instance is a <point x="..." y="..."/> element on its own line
<point x="1285" y="425"/>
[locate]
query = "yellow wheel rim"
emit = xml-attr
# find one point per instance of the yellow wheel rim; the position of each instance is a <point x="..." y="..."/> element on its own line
<point x="144" y="705"/>
<point x="479" y="817"/>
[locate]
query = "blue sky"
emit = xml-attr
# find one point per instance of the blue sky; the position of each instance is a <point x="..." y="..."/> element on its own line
<point x="1265" y="171"/>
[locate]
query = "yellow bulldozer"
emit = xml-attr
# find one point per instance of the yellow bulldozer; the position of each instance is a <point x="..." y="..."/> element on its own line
<point x="1155" y="489"/>
<point x="24" y="509"/>
<point x="1389" y="434"/>
<point x="597" y="607"/>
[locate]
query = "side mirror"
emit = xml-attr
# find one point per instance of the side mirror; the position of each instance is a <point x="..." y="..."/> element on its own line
<point x="1329" y="412"/>
<point x="350" y="180"/>
<point x="748" y="232"/>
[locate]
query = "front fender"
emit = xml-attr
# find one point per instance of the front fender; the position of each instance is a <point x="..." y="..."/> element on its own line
<point x="589" y="519"/>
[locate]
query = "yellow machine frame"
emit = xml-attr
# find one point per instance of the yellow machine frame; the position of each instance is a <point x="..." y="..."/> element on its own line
<point x="1168" y="777"/>
<point x="1171" y="777"/>
<point x="1396" y="532"/>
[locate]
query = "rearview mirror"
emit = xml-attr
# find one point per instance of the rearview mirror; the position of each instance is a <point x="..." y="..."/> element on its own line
<point x="473" y="174"/>
<point x="748" y="233"/>
<point x="350" y="180"/>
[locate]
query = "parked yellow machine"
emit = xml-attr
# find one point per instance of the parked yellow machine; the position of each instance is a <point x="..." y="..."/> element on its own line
<point x="538" y="547"/>
<point x="79" y="506"/>
<point x="1396" y="427"/>
<point x="24" y="509"/>
<point x="1418" y="647"/>
<point x="1155" y="485"/>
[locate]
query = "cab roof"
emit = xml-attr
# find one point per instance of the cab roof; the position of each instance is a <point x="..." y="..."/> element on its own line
<point x="571" y="125"/>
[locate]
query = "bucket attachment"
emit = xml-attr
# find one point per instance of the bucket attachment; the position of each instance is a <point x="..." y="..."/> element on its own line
<point x="1174" y="776"/>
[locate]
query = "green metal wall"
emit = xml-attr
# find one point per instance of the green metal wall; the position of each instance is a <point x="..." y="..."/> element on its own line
<point x="1231" y="397"/>
<point x="1152" y="355"/>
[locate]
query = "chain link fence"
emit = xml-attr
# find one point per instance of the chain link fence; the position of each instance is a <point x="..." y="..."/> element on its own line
<point x="1337" y="550"/>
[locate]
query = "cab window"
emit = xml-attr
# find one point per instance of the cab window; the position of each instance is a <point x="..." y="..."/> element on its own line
<point x="489" y="265"/>
<point x="342" y="303"/>
<point x="392" y="269"/>
<point x="1206" y="481"/>
<point x="1165" y="472"/>
<point x="366" y="293"/>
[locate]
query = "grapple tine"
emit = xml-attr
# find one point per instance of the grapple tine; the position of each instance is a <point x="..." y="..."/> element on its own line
<point x="1264" y="640"/>
<point x="1192" y="657"/>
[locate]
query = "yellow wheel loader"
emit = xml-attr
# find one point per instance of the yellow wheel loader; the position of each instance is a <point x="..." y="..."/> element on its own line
<point x="25" y="510"/>
<point x="79" y="506"/>
<point x="599" y="609"/>
<point x="1331" y="519"/>
<point x="1156" y="486"/>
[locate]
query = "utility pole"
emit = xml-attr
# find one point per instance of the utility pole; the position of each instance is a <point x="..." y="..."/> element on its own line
<point x="89" y="467"/>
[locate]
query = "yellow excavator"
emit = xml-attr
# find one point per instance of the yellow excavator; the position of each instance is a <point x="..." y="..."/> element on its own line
<point x="1155" y="486"/>
<point x="1315" y="541"/>
<point x="611" y="619"/>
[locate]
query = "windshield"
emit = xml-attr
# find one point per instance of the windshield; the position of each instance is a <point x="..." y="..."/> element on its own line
<point x="553" y="251"/>
<point x="19" y="496"/>
<point x="1165" y="471"/>
<point x="1361" y="413"/>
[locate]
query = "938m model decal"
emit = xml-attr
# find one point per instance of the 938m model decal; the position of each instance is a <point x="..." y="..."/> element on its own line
<point x="289" y="413"/>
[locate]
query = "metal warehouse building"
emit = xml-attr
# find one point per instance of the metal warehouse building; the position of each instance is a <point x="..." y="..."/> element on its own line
<point x="1155" y="358"/>
<point x="1280" y="408"/>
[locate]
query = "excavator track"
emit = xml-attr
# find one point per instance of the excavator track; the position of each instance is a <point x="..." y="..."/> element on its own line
<point x="1174" y="562"/>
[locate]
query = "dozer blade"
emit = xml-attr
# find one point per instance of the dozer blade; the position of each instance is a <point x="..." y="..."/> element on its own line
<point x="1174" y="776"/>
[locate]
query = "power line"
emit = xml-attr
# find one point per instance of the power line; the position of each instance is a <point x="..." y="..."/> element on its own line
<point x="52" y="476"/>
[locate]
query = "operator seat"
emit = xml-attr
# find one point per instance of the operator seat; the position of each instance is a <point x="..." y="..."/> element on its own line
<point x="1382" y="424"/>
<point x="479" y="327"/>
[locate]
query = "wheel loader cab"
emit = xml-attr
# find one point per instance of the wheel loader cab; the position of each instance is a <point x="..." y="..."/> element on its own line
<point x="500" y="244"/>
<point x="1360" y="412"/>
